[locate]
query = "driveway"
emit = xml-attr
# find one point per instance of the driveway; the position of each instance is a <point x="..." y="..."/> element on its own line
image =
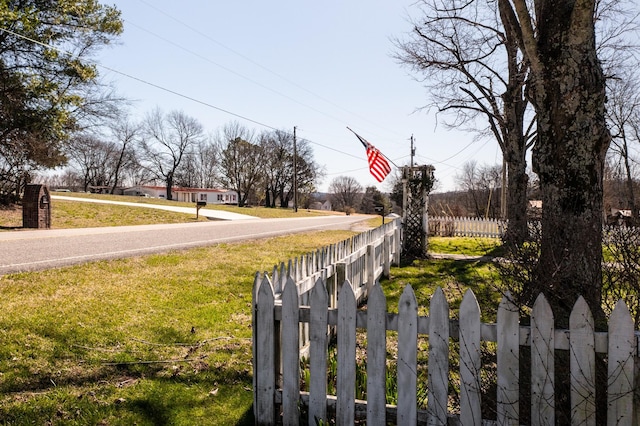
<point x="209" y="213"/>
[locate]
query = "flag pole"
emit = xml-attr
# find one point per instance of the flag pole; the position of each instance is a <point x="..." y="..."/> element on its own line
<point x="387" y="158"/>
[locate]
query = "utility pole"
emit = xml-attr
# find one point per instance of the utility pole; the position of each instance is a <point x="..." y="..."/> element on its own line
<point x="295" y="172"/>
<point x="413" y="151"/>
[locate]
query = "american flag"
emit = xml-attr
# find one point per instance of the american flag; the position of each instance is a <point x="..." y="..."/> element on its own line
<point x="378" y="164"/>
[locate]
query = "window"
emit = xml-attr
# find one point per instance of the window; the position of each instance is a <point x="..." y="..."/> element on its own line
<point x="203" y="197"/>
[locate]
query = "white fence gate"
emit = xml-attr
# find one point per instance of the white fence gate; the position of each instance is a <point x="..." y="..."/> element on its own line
<point x="449" y="226"/>
<point x="277" y="392"/>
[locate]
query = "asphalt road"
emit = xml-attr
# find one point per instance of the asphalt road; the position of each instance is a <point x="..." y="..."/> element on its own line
<point x="43" y="249"/>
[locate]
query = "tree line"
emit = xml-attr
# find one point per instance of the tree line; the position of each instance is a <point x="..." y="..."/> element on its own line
<point x="172" y="150"/>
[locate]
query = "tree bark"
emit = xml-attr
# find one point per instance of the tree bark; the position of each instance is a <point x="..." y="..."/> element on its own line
<point x="568" y="91"/>
<point x="517" y="185"/>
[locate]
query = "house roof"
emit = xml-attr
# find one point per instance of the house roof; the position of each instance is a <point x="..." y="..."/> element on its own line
<point x="216" y="190"/>
<point x="178" y="189"/>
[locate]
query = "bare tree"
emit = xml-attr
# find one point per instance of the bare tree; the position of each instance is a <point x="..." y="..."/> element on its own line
<point x="125" y="133"/>
<point x="91" y="158"/>
<point x="473" y="69"/>
<point x="166" y="139"/>
<point x="481" y="184"/>
<point x="278" y="148"/>
<point x="207" y="159"/>
<point x="241" y="161"/>
<point x="346" y="193"/>
<point x="623" y="114"/>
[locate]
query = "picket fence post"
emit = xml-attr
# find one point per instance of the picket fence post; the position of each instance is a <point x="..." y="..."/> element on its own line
<point x="438" y="363"/>
<point x="622" y="351"/>
<point x="508" y="356"/>
<point x="290" y="354"/>
<point x="319" y="346"/>
<point x="407" y="354"/>
<point x="345" y="383"/>
<point x="582" y="364"/>
<point x="469" y="359"/>
<point x="376" y="356"/>
<point x="542" y="363"/>
<point x="265" y="363"/>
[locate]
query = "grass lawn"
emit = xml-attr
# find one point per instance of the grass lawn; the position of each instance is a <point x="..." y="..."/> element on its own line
<point x="69" y="214"/>
<point x="162" y="339"/>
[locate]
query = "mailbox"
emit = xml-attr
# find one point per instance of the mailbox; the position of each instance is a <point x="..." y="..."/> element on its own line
<point x="199" y="205"/>
<point x="36" y="207"/>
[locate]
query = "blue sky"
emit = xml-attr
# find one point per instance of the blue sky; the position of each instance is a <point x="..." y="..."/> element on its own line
<point x="319" y="66"/>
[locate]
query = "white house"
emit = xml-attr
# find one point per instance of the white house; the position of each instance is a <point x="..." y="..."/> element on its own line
<point x="321" y="205"/>
<point x="189" y="195"/>
<point x="146" y="191"/>
<point x="208" y="195"/>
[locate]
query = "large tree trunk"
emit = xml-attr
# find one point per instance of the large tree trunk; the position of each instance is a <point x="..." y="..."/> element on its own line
<point x="569" y="93"/>
<point x="169" y="185"/>
<point x="630" y="194"/>
<point x="517" y="185"/>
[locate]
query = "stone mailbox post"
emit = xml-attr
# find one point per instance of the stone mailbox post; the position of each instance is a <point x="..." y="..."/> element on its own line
<point x="36" y="207"/>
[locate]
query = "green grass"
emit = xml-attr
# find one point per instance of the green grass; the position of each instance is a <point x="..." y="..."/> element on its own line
<point x="262" y="212"/>
<point x="69" y="214"/>
<point x="470" y="246"/>
<point x="162" y="339"/>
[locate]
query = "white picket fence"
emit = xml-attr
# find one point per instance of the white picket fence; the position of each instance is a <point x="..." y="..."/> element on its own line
<point x="449" y="226"/>
<point x="361" y="259"/>
<point x="277" y="395"/>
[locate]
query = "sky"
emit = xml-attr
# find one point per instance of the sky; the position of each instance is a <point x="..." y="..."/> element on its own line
<point x="317" y="66"/>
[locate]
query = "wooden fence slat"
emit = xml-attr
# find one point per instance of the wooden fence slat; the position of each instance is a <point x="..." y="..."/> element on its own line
<point x="508" y="392"/>
<point x="290" y="354"/>
<point x="318" y="353"/>
<point x="257" y="279"/>
<point x="438" y="368"/>
<point x="407" y="357"/>
<point x="622" y="350"/>
<point x="470" y="360"/>
<point x="265" y="362"/>
<point x="542" y="363"/>
<point x="582" y="364"/>
<point x="346" y="392"/>
<point x="376" y="356"/>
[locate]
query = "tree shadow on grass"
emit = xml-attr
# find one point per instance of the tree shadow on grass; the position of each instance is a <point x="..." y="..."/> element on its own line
<point x="247" y="419"/>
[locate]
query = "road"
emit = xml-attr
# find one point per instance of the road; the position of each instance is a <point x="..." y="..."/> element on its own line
<point x="43" y="249"/>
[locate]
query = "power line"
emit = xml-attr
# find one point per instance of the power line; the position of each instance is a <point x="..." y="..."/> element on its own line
<point x="235" y="52"/>
<point x="173" y="92"/>
<point x="196" y="54"/>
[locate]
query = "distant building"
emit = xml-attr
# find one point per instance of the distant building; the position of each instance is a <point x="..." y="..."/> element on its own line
<point x="189" y="195"/>
<point x="321" y="205"/>
<point x="208" y="195"/>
